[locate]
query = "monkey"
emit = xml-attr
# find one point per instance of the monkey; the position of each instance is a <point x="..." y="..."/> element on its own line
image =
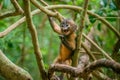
<point x="67" y="35"/>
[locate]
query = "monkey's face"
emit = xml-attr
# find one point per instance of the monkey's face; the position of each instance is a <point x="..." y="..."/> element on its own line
<point x="65" y="27"/>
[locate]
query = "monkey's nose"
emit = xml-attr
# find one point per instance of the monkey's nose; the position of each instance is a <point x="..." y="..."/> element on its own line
<point x="65" y="28"/>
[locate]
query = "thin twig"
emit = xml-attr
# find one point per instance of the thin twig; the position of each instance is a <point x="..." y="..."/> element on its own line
<point x="88" y="52"/>
<point x="101" y="50"/>
<point x="16" y="24"/>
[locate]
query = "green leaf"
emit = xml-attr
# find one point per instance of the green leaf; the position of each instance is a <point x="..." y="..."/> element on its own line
<point x="99" y="26"/>
<point x="92" y="19"/>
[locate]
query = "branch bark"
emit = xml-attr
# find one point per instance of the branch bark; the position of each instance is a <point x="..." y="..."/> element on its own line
<point x="77" y="72"/>
<point x="33" y="33"/>
<point x="10" y="71"/>
<point x="79" y="36"/>
<point x="103" y="63"/>
<point x="43" y="9"/>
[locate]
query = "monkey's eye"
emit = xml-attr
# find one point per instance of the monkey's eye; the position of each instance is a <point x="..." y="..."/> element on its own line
<point x="62" y="26"/>
<point x="67" y="25"/>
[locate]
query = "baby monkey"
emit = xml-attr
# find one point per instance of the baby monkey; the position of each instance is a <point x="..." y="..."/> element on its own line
<point x="66" y="30"/>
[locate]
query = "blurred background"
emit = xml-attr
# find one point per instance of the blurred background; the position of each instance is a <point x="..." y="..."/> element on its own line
<point x="18" y="47"/>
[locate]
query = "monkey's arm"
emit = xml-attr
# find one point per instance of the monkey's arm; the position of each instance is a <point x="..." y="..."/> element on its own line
<point x="54" y="26"/>
<point x="69" y="45"/>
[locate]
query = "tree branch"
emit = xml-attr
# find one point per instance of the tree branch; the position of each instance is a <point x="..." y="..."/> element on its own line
<point x="76" y="8"/>
<point x="33" y="32"/>
<point x="88" y="51"/>
<point x="43" y="9"/>
<point x="103" y="63"/>
<point x="79" y="36"/>
<point x="10" y="71"/>
<point x="101" y="50"/>
<point x="12" y="27"/>
<point x="75" y="72"/>
<point x="18" y="10"/>
<point x="60" y="17"/>
<point x="16" y="24"/>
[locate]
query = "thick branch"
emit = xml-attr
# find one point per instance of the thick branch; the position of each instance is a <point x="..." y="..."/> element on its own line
<point x="33" y="32"/>
<point x="103" y="63"/>
<point x="18" y="10"/>
<point x="75" y="72"/>
<point x="10" y="71"/>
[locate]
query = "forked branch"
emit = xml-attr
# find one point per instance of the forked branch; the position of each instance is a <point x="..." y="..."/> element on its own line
<point x="76" y="72"/>
<point x="18" y="10"/>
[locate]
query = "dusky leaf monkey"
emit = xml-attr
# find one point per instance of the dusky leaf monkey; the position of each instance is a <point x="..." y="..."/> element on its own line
<point x="66" y="30"/>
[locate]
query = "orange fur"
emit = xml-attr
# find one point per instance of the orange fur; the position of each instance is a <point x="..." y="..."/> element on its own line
<point x="65" y="54"/>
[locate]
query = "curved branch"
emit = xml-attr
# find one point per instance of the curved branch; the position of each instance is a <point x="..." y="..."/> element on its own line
<point x="103" y="63"/>
<point x="12" y="27"/>
<point x="16" y="24"/>
<point x="10" y="71"/>
<point x="76" y="8"/>
<point x="75" y="72"/>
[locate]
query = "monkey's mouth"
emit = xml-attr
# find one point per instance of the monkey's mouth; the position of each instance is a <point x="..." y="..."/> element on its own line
<point x="65" y="30"/>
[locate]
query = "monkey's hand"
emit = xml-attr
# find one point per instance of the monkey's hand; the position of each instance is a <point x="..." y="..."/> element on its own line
<point x="65" y="42"/>
<point x="61" y="37"/>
